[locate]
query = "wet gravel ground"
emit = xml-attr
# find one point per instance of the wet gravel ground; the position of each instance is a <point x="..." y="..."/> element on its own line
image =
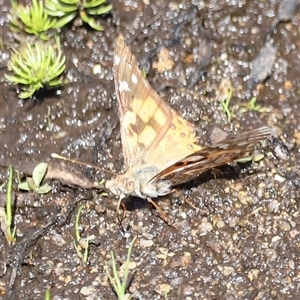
<point x="234" y="232"/>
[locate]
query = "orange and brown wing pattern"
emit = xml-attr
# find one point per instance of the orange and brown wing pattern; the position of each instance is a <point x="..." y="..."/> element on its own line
<point x="150" y="128"/>
<point x="214" y="156"/>
<point x="159" y="146"/>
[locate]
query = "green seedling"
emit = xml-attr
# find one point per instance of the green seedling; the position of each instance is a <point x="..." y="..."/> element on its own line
<point x="67" y="10"/>
<point x="144" y="72"/>
<point x="2" y="47"/>
<point x="225" y="105"/>
<point x="34" y="183"/>
<point x="47" y="294"/>
<point x="82" y="243"/>
<point x="9" y="231"/>
<point x="49" y="121"/>
<point x="120" y="285"/>
<point x="33" y="19"/>
<point x="103" y="194"/>
<point x="256" y="158"/>
<point x="244" y="160"/>
<point x="36" y="66"/>
<point x="2" y="186"/>
<point x="252" y="105"/>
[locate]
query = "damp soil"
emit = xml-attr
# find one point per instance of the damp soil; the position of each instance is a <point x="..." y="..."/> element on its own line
<point x="232" y="233"/>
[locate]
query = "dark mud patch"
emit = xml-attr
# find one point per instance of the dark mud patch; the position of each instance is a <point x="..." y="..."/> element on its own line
<point x="237" y="237"/>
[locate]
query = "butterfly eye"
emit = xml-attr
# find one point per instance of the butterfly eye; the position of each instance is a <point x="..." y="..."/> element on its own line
<point x="130" y="186"/>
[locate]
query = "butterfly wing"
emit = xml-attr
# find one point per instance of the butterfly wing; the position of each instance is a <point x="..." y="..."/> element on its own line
<point x="214" y="156"/>
<point x="150" y="128"/>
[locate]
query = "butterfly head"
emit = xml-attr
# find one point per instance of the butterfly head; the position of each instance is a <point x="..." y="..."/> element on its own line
<point x="130" y="185"/>
<point x="123" y="186"/>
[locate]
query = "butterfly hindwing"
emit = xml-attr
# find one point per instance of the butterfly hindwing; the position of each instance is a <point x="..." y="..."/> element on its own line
<point x="213" y="156"/>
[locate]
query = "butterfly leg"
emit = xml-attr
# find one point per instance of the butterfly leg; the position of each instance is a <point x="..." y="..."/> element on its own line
<point x="186" y="201"/>
<point x="202" y="211"/>
<point x="162" y="214"/>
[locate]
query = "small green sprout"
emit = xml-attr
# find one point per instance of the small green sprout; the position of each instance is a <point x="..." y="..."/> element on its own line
<point x="32" y="19"/>
<point x="9" y="232"/>
<point x="82" y="243"/>
<point x="244" y="160"/>
<point x="256" y="158"/>
<point x="2" y="186"/>
<point x="34" y="183"/>
<point x="252" y="105"/>
<point x="225" y="105"/>
<point x="2" y="47"/>
<point x="36" y="66"/>
<point x="47" y="294"/>
<point x="118" y="284"/>
<point x="49" y="121"/>
<point x="103" y="194"/>
<point x="144" y="72"/>
<point x="67" y="10"/>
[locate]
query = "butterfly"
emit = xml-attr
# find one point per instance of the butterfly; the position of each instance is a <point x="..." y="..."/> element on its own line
<point x="159" y="146"/>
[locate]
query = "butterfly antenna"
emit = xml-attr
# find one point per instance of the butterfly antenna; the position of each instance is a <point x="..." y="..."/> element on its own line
<point x="54" y="155"/>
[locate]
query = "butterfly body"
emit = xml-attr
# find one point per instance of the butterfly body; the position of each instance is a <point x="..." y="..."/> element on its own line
<point x="137" y="182"/>
<point x="160" y="147"/>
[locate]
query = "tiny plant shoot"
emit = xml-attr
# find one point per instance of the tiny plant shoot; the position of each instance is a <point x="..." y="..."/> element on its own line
<point x="10" y="233"/>
<point x="34" y="183"/>
<point x="32" y="19"/>
<point x="82" y="243"/>
<point x="120" y="285"/>
<point x="225" y="105"/>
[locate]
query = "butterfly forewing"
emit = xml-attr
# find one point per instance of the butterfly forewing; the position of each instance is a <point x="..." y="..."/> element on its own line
<point x="150" y="128"/>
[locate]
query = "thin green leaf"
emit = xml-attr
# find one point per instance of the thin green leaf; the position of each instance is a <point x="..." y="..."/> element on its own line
<point x="92" y="3"/>
<point x="68" y="2"/>
<point x="244" y="160"/>
<point x="89" y="20"/>
<point x="8" y="213"/>
<point x="27" y="94"/>
<point x="100" y="10"/>
<point x="58" y="8"/>
<point x="258" y="157"/>
<point x="61" y="22"/>
<point x="77" y="221"/>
